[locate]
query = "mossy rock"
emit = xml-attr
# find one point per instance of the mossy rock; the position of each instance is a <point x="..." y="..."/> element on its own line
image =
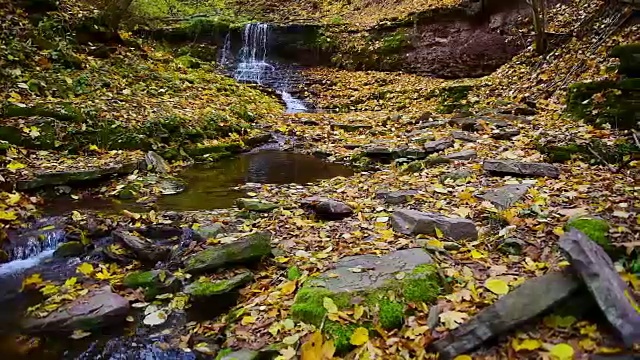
<point x="248" y="249"/>
<point x="255" y="205"/>
<point x="63" y="112"/>
<point x="561" y="153"/>
<point x="629" y="55"/>
<point x="69" y="249"/>
<point x="595" y="228"/>
<point x="606" y="103"/>
<point x="154" y="282"/>
<point x="419" y="165"/>
<point x="386" y="286"/>
<point x="188" y="62"/>
<point x="204" y="287"/>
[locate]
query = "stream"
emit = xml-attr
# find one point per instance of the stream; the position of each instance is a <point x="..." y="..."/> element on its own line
<point x="208" y="186"/>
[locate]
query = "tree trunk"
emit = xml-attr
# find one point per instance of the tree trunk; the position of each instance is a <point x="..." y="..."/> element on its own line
<point x="114" y="12"/>
<point x="539" y="8"/>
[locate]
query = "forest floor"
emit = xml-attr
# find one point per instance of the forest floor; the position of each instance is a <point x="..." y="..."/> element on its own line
<point x="142" y="89"/>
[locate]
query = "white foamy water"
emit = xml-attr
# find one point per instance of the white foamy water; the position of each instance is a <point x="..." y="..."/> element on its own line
<point x="18" y="266"/>
<point x="293" y="105"/>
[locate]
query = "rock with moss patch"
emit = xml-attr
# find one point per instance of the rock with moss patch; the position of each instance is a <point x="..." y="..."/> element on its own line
<point x="94" y="310"/>
<point x="409" y="273"/>
<point x="51" y="178"/>
<point x="250" y="248"/>
<point x="516" y="168"/>
<point x="455" y="176"/>
<point x="255" y="205"/>
<point x="154" y="282"/>
<point x="209" y="231"/>
<point x="204" y="288"/>
<point x="69" y="249"/>
<point x="597" y="229"/>
<point x="412" y="222"/>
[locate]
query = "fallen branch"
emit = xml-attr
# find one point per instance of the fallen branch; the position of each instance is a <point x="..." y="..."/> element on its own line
<point x="611" y="167"/>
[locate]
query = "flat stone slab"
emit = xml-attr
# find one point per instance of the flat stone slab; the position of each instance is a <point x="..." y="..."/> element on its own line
<point x="96" y="309"/>
<point x="370" y="272"/>
<point x="465" y="136"/>
<point x="510" y="167"/>
<point x="435" y="146"/>
<point x="517" y="307"/>
<point x="53" y="178"/>
<point x="462" y="155"/>
<point x="412" y="222"/>
<point x="504" y="197"/>
<point x="396" y="197"/>
<point x="613" y="296"/>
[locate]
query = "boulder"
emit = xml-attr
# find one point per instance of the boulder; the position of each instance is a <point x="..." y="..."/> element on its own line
<point x="524" y="303"/>
<point x="462" y="155"/>
<point x="98" y="308"/>
<point x="510" y="167"/>
<point x="396" y="197"/>
<point x="206" y="288"/>
<point x="69" y="249"/>
<point x="209" y="231"/>
<point x="412" y="222"/>
<point x="595" y="268"/>
<point x="455" y="175"/>
<point x="327" y="209"/>
<point x="156" y="163"/>
<point x="250" y="248"/>
<point x="504" y="197"/>
<point x="410" y="274"/>
<point x="435" y="146"/>
<point x="465" y="136"/>
<point x="144" y="248"/>
<point x="465" y="123"/>
<point x="255" y="205"/>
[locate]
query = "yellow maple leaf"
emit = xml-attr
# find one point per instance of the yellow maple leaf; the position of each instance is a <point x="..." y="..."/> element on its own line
<point x="14" y="165"/>
<point x="527" y="344"/>
<point x="33" y="279"/>
<point x="562" y="352"/>
<point x="497" y="286"/>
<point x="288" y="288"/>
<point x="359" y="337"/>
<point x="8" y="215"/>
<point x="312" y="348"/>
<point x="85" y="268"/>
<point x="477" y="254"/>
<point x="329" y="305"/>
<point x="248" y="320"/>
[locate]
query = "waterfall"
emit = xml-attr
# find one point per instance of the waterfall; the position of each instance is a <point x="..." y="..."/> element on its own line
<point x="253" y="66"/>
<point x="226" y="48"/>
<point x="35" y="247"/>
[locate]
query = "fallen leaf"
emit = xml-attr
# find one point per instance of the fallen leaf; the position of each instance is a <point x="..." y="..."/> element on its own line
<point x="497" y="286"/>
<point x="359" y="337"/>
<point x="562" y="352"/>
<point x="329" y="305"/>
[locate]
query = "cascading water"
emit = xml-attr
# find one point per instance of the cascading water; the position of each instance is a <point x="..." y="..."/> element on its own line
<point x="34" y="248"/>
<point x="253" y="66"/>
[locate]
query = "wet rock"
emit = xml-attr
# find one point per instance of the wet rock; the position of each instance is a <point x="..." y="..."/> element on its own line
<point x="351" y="127"/>
<point x="435" y="146"/>
<point x="205" y="288"/>
<point x="510" y="167"/>
<point x="381" y="153"/>
<point x="327" y="209"/>
<point x="98" y="308"/>
<point x="504" y="197"/>
<point x="4" y="257"/>
<point x="396" y="197"/>
<point x="209" y="231"/>
<point x="154" y="282"/>
<point x="255" y="205"/>
<point x="512" y="246"/>
<point x="170" y="186"/>
<point x="69" y="249"/>
<point x="144" y="248"/>
<point x="51" y="178"/>
<point x="455" y="175"/>
<point x="462" y="155"/>
<point x="244" y="354"/>
<point x="156" y="163"/>
<point x="250" y="248"/>
<point x="408" y="272"/>
<point x="526" y="302"/>
<point x="154" y="347"/>
<point x="412" y="222"/>
<point x="505" y="134"/>
<point x="465" y="136"/>
<point x="595" y="268"/>
<point x="465" y="123"/>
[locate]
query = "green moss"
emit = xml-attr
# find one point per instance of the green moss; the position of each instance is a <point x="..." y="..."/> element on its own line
<point x="391" y="314"/>
<point x="561" y="153"/>
<point x="341" y="335"/>
<point x="143" y="279"/>
<point x="208" y="288"/>
<point x="596" y="229"/>
<point x="293" y="273"/>
<point x="308" y="306"/>
<point x="422" y="285"/>
<point x="224" y="352"/>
